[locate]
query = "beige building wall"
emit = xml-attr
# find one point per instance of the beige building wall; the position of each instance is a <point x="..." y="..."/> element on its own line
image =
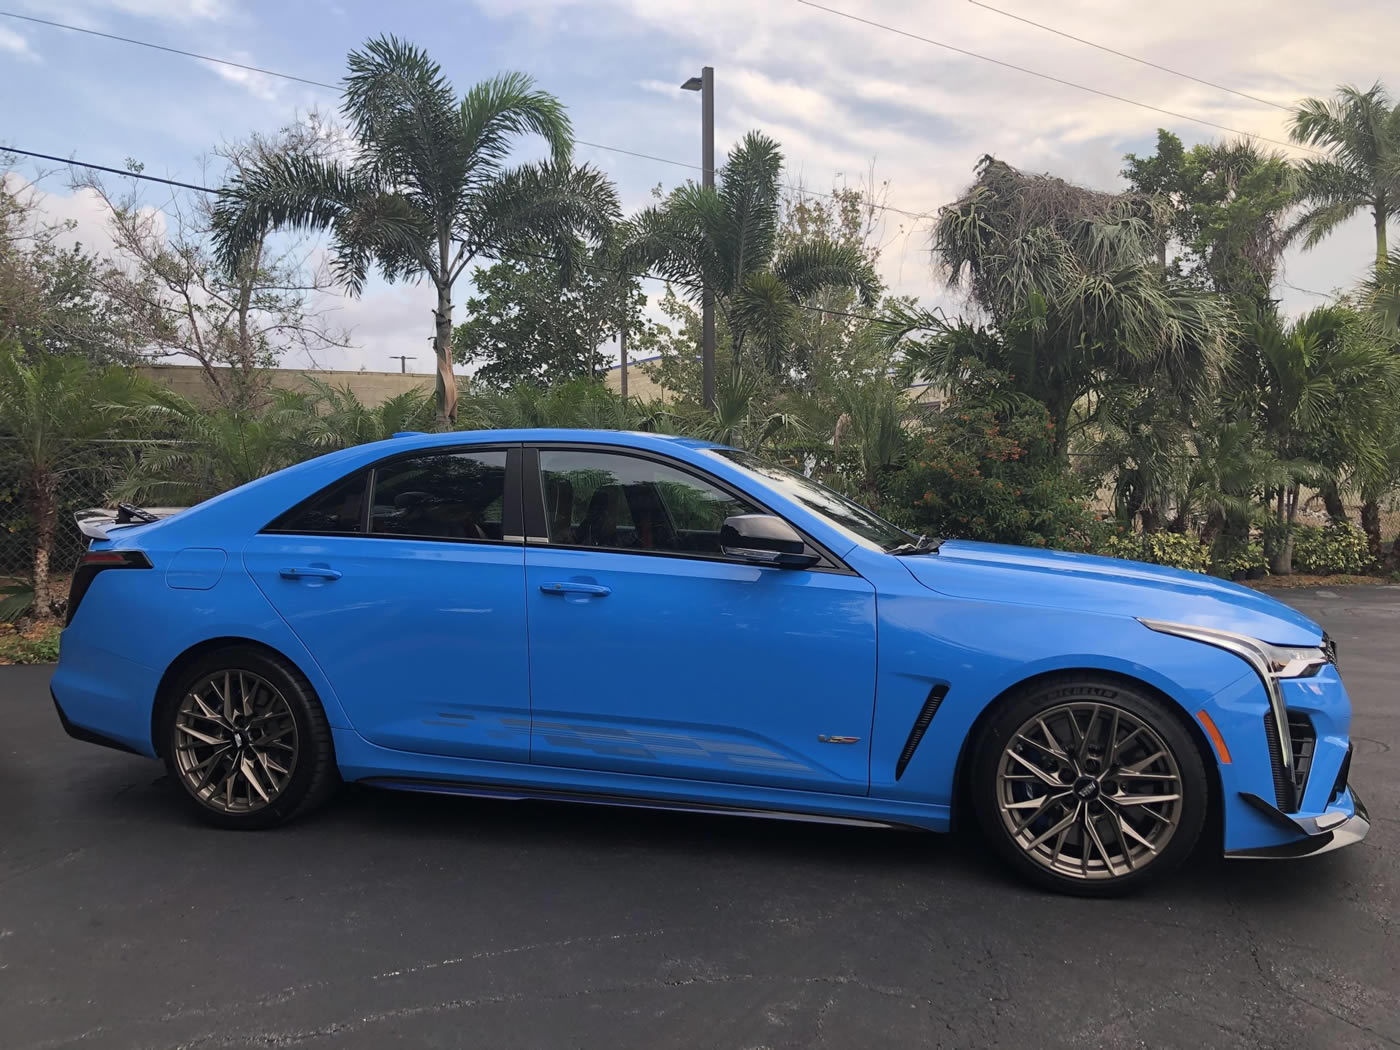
<point x="640" y="382"/>
<point x="371" y="388"/>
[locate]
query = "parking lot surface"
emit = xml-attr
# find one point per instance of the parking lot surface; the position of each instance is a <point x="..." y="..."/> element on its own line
<point x="413" y="921"/>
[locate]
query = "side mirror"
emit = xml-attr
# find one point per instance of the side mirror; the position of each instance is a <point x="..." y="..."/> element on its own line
<point x="765" y="540"/>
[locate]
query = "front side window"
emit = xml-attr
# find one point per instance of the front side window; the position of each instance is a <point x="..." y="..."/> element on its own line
<point x="616" y="501"/>
<point x="335" y="510"/>
<point x="862" y="525"/>
<point x="441" y="495"/>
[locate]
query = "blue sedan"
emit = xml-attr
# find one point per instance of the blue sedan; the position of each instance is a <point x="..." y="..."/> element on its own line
<point x="638" y="619"/>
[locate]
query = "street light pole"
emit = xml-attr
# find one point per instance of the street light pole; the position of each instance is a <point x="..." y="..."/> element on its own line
<point x="403" y="360"/>
<point x="705" y="84"/>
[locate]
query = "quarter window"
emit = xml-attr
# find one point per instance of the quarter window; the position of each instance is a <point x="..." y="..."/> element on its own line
<point x="609" y="500"/>
<point x="337" y="509"/>
<point x="444" y="495"/>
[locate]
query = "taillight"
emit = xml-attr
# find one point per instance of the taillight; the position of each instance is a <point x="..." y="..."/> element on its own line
<point x="93" y="562"/>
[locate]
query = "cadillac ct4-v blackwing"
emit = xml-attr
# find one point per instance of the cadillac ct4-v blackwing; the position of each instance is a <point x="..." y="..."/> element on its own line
<point x="634" y="618"/>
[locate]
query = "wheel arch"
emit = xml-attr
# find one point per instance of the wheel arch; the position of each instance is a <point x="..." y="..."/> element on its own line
<point x="165" y="690"/>
<point x="962" y="771"/>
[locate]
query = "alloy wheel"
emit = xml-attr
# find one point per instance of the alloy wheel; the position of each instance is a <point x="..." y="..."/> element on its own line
<point x="235" y="741"/>
<point x="1089" y="791"/>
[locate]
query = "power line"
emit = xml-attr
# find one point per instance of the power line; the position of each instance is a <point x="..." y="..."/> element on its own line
<point x="172" y="50"/>
<point x="102" y="167"/>
<point x="1130" y="58"/>
<point x="1053" y="79"/>
<point x="336" y="87"/>
<point x="502" y="253"/>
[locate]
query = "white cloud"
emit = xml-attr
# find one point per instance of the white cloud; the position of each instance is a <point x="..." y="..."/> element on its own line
<point x="85" y="12"/>
<point x="15" y="44"/>
<point x="259" y="85"/>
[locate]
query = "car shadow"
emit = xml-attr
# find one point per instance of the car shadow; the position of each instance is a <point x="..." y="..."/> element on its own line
<point x="358" y="817"/>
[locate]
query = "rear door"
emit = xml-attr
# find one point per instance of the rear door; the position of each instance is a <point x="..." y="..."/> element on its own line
<point x="405" y="581"/>
<point x="653" y="653"/>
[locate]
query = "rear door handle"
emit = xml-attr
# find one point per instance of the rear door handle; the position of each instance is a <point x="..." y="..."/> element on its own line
<point x="318" y="572"/>
<point x="597" y="590"/>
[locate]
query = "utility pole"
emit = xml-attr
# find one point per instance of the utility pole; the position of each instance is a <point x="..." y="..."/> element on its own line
<point x="705" y="84"/>
<point x="622" y="352"/>
<point x="403" y="360"/>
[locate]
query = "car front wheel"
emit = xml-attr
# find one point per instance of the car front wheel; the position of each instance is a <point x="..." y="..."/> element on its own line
<point x="1089" y="786"/>
<point x="247" y="741"/>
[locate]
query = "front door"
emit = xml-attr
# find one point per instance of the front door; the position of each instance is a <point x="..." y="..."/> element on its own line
<point x="652" y="653"/>
<point x="413" y="606"/>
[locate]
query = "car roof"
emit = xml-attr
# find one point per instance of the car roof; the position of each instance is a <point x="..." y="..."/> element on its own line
<point x="637" y="438"/>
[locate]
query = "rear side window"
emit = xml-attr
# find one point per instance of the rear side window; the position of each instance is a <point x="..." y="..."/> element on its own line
<point x="338" y="509"/>
<point x="450" y="496"/>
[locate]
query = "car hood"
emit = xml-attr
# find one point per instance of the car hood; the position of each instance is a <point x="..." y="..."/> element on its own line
<point x="1087" y="583"/>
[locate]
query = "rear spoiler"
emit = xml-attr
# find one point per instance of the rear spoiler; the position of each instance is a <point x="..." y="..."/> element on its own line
<point x="98" y="522"/>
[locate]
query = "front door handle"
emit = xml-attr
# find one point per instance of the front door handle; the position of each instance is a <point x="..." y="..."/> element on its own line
<point x="596" y="590"/>
<point x="317" y="572"/>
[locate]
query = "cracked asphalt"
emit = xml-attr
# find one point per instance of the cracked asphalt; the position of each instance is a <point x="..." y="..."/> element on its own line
<point x="415" y="921"/>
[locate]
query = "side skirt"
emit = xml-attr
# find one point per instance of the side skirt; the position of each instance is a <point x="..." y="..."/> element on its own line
<point x="518" y="794"/>
<point x="376" y="766"/>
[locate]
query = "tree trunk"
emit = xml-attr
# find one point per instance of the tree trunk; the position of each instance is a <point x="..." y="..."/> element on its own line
<point x="446" y="384"/>
<point x="1382" y="216"/>
<point x="44" y="493"/>
<point x="1371" y="525"/>
<point x="1288" y="513"/>
<point x="1332" y="500"/>
<point x="1214" y="523"/>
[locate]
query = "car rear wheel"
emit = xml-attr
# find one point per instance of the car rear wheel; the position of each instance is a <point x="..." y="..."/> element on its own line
<point x="247" y="741"/>
<point x="1089" y="786"/>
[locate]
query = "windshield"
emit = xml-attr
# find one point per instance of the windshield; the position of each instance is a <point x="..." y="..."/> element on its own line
<point x="861" y="525"/>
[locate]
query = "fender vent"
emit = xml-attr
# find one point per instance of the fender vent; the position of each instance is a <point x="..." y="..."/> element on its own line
<point x="916" y="733"/>
<point x="1283" y="790"/>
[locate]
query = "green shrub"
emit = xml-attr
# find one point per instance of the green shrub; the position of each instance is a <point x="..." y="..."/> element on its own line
<point x="1177" y="550"/>
<point x="1336" y="548"/>
<point x="981" y="477"/>
<point x="1238" y="561"/>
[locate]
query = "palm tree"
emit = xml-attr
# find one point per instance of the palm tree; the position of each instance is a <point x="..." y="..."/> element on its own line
<point x="334" y="417"/>
<point x="202" y="452"/>
<point x="1326" y="389"/>
<point x="1361" y="132"/>
<point x="726" y="240"/>
<point x="53" y="411"/>
<point x="1077" y="301"/>
<point x="427" y="190"/>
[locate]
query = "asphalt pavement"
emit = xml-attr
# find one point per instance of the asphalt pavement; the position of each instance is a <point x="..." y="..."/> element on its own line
<point x="412" y="921"/>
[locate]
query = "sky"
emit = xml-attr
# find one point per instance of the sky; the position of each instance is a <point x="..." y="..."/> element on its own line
<point x="844" y="99"/>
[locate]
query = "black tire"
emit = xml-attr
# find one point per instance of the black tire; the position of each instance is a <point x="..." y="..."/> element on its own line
<point x="1006" y="792"/>
<point x="312" y="776"/>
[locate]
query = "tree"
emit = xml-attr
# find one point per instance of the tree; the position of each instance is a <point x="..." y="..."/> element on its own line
<point x="233" y="323"/>
<point x="1326" y="387"/>
<point x="53" y="299"/>
<point x="1076" y="299"/>
<point x="1361" y="132"/>
<point x="427" y="189"/>
<point x="526" y="325"/>
<point x="727" y="239"/>
<point x="1226" y="227"/>
<point x="53" y="410"/>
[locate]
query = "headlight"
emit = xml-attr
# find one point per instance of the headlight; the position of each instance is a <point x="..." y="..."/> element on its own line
<point x="1270" y="662"/>
<point x="1273" y="661"/>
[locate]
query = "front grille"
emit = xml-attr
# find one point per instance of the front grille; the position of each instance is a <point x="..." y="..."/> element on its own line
<point x="1283" y="790"/>
<point x="1304" y="739"/>
<point x="1329" y="646"/>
